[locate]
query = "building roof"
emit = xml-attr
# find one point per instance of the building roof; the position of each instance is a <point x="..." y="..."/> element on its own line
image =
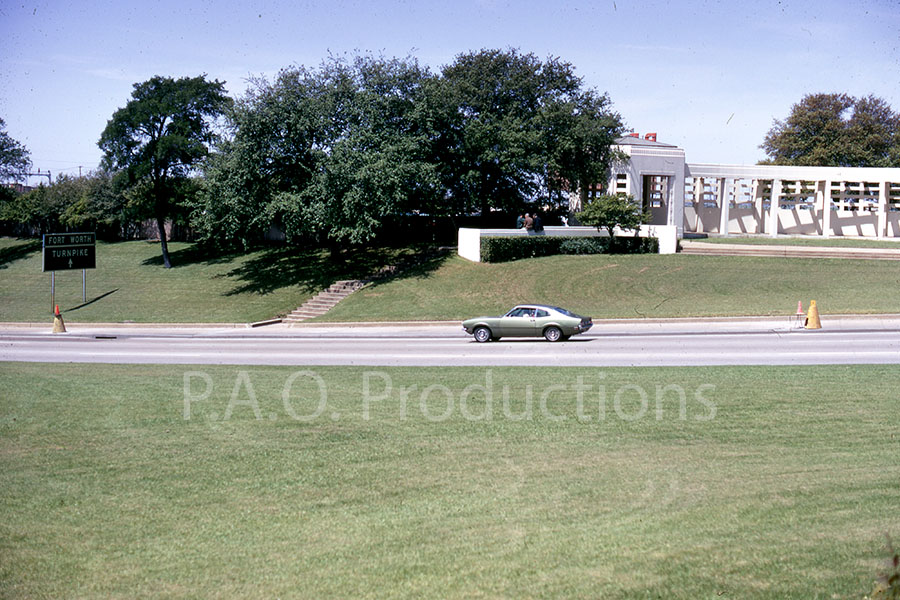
<point x="633" y="141"/>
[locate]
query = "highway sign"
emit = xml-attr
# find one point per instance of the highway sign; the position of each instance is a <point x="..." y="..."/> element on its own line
<point x="66" y="251"/>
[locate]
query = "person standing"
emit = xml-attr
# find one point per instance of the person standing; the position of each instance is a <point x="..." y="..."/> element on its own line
<point x="537" y="224"/>
<point x="529" y="224"/>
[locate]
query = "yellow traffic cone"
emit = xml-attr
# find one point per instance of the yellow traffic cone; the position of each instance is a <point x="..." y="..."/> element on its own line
<point x="58" y="325"/>
<point x="812" y="317"/>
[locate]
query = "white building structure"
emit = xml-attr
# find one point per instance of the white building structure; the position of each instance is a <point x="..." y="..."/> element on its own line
<point x="757" y="199"/>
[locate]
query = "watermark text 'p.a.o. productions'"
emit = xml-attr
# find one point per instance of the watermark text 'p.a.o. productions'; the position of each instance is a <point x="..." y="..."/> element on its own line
<point x="305" y="397"/>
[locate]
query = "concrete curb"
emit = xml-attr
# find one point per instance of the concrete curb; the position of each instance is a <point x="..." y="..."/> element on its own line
<point x="81" y="324"/>
<point x="874" y="318"/>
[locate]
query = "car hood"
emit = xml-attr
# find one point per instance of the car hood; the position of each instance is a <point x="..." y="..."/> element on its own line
<point x="480" y="319"/>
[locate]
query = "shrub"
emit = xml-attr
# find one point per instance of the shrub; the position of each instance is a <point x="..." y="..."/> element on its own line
<point x="584" y="245"/>
<point x="613" y="210"/>
<point x="503" y="249"/>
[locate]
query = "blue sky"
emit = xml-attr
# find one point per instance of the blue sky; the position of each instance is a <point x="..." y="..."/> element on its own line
<point x="709" y="76"/>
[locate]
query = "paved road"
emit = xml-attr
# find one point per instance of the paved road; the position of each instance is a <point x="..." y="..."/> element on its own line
<point x="688" y="343"/>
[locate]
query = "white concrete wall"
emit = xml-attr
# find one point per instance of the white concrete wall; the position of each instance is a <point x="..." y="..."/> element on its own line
<point x="666" y="161"/>
<point x="469" y="243"/>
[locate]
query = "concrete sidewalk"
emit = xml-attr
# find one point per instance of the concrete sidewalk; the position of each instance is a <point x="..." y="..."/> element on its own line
<point x="738" y="249"/>
<point x="889" y="322"/>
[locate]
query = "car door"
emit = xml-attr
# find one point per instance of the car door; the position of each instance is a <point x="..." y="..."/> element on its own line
<point x="541" y="318"/>
<point x="519" y="322"/>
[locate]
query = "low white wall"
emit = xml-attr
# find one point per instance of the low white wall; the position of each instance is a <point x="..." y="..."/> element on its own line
<point x="469" y="239"/>
<point x="469" y="243"/>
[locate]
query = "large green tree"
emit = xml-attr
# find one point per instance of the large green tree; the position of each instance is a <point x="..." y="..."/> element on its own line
<point x="14" y="157"/>
<point x="324" y="154"/>
<point x="836" y="130"/>
<point x="159" y="137"/>
<point x="517" y="126"/>
<point x="580" y="133"/>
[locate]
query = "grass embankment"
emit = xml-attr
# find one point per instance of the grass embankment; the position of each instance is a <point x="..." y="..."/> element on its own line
<point x="633" y="286"/>
<point x="130" y="284"/>
<point x="776" y="483"/>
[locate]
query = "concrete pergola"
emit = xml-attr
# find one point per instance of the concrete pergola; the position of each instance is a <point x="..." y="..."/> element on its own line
<point x="755" y="199"/>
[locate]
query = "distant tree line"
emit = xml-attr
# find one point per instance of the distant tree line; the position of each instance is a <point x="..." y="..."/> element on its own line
<point x="327" y="154"/>
<point x="330" y="155"/>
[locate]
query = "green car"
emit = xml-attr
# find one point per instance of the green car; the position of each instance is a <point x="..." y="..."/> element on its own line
<point x="529" y="320"/>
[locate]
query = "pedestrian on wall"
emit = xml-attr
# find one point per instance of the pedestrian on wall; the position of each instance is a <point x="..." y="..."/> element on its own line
<point x="529" y="224"/>
<point x="520" y="222"/>
<point x="537" y="224"/>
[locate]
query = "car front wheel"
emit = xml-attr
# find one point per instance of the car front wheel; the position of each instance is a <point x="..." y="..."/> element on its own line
<point x="552" y="334"/>
<point x="482" y="334"/>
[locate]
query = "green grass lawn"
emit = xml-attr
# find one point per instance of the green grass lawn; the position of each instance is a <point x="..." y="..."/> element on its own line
<point x="129" y="283"/>
<point x="632" y="286"/>
<point x="776" y="483"/>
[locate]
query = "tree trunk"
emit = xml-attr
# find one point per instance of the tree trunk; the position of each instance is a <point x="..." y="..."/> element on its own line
<point x="485" y="213"/>
<point x="163" y="242"/>
<point x="335" y="249"/>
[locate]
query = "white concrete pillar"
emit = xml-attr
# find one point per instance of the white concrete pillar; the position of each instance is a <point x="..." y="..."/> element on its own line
<point x="757" y="204"/>
<point x="883" y="190"/>
<point x="823" y="200"/>
<point x="773" y="207"/>
<point x="669" y="199"/>
<point x="698" y="203"/>
<point x="724" y="205"/>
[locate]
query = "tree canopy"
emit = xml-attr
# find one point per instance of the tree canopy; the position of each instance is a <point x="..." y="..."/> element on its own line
<point x="519" y="127"/>
<point x="324" y="154"/>
<point x="329" y="153"/>
<point x="836" y="130"/>
<point x="14" y="157"/>
<point x="158" y="138"/>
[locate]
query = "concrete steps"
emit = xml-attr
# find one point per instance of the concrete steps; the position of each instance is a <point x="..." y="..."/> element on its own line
<point x="693" y="247"/>
<point x="324" y="300"/>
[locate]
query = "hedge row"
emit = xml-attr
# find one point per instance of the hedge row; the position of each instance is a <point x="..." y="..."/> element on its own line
<point x="502" y="249"/>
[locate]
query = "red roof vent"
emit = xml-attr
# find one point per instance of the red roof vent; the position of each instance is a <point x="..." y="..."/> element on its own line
<point x="635" y="135"/>
<point x="650" y="137"/>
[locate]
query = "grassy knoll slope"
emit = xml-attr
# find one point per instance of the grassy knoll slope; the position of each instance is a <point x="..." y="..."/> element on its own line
<point x="632" y="286"/>
<point x="129" y="283"/>
<point x="775" y="483"/>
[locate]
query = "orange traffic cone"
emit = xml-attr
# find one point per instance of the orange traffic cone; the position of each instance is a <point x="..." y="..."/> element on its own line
<point x="59" y="325"/>
<point x="812" y="318"/>
<point x="798" y="317"/>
